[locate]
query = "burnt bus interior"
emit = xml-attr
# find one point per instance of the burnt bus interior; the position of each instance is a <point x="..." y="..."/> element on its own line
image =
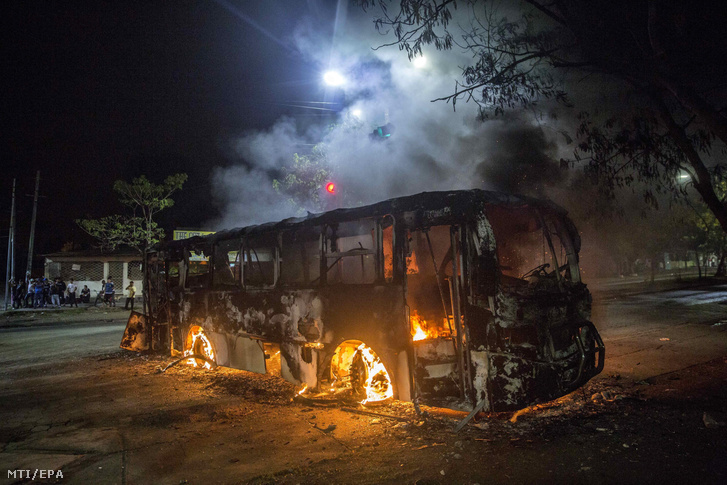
<point x="459" y="299"/>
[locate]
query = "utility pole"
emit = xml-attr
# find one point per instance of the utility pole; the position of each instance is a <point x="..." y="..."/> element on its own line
<point x="10" y="263"/>
<point x="32" y="226"/>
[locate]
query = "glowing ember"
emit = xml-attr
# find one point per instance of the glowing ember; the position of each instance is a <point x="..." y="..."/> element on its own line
<point x="389" y="253"/>
<point x="378" y="383"/>
<point x="305" y="388"/>
<point x="412" y="267"/>
<point x="199" y="344"/>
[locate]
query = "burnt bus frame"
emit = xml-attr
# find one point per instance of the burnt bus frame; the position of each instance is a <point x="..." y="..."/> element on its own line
<point x="377" y="313"/>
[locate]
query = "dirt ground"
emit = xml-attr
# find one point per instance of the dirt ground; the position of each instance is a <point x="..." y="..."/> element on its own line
<point x="101" y="415"/>
<point x="118" y="419"/>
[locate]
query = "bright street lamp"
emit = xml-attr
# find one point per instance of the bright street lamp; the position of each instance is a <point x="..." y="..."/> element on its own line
<point x="334" y="78"/>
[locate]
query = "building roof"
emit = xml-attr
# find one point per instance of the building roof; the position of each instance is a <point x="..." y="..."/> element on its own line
<point x="95" y="255"/>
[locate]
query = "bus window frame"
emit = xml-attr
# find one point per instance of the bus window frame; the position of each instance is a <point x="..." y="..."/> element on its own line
<point x="204" y="278"/>
<point x="266" y="239"/>
<point x="378" y="252"/>
<point x="238" y="281"/>
<point x="311" y="283"/>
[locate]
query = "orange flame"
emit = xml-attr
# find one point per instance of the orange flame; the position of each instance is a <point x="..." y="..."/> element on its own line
<point x="422" y="329"/>
<point x="378" y="383"/>
<point x="199" y="344"/>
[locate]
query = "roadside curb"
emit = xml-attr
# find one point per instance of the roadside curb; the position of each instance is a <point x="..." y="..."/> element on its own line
<point x="32" y="318"/>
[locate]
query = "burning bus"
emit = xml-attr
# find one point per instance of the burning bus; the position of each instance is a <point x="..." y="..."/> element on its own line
<point x="461" y="299"/>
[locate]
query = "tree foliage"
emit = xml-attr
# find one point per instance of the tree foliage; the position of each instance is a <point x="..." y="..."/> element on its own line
<point x="662" y="57"/>
<point x="138" y="229"/>
<point x="714" y="239"/>
<point x="303" y="180"/>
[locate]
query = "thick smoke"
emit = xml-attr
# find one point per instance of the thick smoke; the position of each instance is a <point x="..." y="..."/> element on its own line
<point x="433" y="147"/>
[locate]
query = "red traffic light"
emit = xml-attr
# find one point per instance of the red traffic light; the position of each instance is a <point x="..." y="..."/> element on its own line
<point x="331" y="188"/>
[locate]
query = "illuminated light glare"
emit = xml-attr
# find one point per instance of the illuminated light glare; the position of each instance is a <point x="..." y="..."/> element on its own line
<point x="357" y="113"/>
<point x="419" y="62"/>
<point x="331" y="188"/>
<point x="334" y="78"/>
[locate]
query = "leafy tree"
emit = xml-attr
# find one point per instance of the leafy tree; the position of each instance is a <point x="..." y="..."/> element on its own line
<point x="305" y="178"/>
<point x="714" y="238"/>
<point x="663" y="57"/>
<point x="137" y="230"/>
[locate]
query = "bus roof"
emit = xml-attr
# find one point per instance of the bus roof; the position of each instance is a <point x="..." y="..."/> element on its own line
<point x="455" y="203"/>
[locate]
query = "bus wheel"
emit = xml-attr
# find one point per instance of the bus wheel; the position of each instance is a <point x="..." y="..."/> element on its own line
<point x="355" y="365"/>
<point x="198" y="345"/>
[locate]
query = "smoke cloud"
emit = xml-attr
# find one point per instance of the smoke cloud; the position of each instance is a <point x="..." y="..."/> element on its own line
<point x="433" y="147"/>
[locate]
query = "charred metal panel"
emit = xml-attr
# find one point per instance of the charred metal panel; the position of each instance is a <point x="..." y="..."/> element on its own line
<point x="437" y="373"/>
<point x="245" y="353"/>
<point x="299" y="364"/>
<point x="295" y="318"/>
<point x="481" y="377"/>
<point x="513" y="380"/>
<point x="535" y="356"/>
<point x="134" y="338"/>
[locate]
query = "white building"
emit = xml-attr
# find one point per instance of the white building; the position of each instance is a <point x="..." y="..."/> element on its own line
<point x="90" y="267"/>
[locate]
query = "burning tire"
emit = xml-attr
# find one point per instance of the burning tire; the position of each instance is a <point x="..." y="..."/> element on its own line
<point x="198" y="345"/>
<point x="357" y="367"/>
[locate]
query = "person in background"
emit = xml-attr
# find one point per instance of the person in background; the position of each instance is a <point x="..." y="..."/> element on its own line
<point x="71" y="289"/>
<point x="131" y="294"/>
<point x="13" y="290"/>
<point x="86" y="294"/>
<point x="55" y="299"/>
<point x="61" y="290"/>
<point x="46" y="283"/>
<point x="19" y="295"/>
<point x="108" y="293"/>
<point x="30" y="294"/>
<point x="39" y="302"/>
<point x="100" y="294"/>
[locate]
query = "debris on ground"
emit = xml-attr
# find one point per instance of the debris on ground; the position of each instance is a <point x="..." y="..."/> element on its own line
<point x="711" y="422"/>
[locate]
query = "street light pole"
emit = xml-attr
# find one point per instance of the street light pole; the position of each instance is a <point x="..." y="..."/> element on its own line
<point x="29" y="269"/>
<point x="10" y="263"/>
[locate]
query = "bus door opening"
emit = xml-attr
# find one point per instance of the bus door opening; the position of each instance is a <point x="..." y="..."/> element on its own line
<point x="434" y="313"/>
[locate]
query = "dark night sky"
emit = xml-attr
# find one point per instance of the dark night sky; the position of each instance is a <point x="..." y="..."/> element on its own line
<point x="104" y="90"/>
<point x="96" y="91"/>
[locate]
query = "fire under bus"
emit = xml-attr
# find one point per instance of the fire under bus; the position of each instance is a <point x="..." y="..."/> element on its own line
<point x="463" y="299"/>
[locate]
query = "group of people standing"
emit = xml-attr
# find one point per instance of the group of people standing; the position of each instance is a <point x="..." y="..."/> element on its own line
<point x="42" y="293"/>
<point x="109" y="293"/>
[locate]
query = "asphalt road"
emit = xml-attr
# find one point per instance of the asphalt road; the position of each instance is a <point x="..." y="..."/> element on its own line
<point x="651" y="334"/>
<point x="36" y="338"/>
<point x="646" y="334"/>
